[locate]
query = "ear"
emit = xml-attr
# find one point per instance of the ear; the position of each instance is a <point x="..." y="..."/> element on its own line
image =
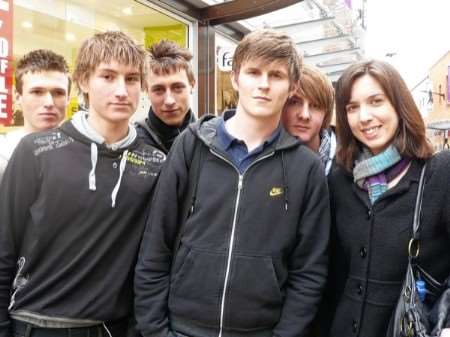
<point x="293" y="89"/>
<point x="84" y="85"/>
<point x="18" y="100"/>
<point x="234" y="80"/>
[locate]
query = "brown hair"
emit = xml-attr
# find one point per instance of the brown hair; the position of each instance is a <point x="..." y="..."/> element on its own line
<point x="106" y="47"/>
<point x="317" y="89"/>
<point x="410" y="139"/>
<point x="37" y="61"/>
<point x="166" y="57"/>
<point x="269" y="46"/>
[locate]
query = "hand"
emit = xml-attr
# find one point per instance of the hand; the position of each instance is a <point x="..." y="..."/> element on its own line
<point x="445" y="333"/>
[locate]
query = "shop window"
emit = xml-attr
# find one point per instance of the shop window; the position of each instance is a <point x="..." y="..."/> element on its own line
<point x="62" y="25"/>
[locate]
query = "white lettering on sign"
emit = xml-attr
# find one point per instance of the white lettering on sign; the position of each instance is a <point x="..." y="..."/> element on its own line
<point x="3" y="105"/>
<point x="225" y="59"/>
<point x="4" y="5"/>
<point x="4" y="49"/>
<point x="3" y="65"/>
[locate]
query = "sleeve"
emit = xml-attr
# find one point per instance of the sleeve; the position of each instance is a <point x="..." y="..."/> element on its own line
<point x="152" y="275"/>
<point x="308" y="262"/>
<point x="18" y="190"/>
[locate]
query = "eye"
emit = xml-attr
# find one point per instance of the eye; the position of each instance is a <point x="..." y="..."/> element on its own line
<point x="37" y="91"/>
<point x="59" y="93"/>
<point x="107" y="77"/>
<point x="133" y="79"/>
<point x="179" y="88"/>
<point x="376" y="101"/>
<point x="350" y="108"/>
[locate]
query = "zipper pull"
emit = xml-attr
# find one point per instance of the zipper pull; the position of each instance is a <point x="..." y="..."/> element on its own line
<point x="240" y="182"/>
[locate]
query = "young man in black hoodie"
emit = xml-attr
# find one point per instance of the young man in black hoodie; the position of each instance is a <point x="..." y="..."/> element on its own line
<point x="250" y="257"/>
<point x="73" y="206"/>
<point x="170" y="84"/>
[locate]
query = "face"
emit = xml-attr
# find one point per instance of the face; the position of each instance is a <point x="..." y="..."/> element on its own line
<point x="169" y="96"/>
<point x="263" y="88"/>
<point x="44" y="99"/>
<point x="371" y="116"/>
<point x="303" y="120"/>
<point x="113" y="90"/>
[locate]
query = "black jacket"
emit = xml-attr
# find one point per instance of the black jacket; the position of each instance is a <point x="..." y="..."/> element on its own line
<point x="253" y="255"/>
<point x="155" y="132"/>
<point x="65" y="252"/>
<point x="369" y="246"/>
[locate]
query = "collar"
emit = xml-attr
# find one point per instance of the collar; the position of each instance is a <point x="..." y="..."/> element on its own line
<point x="227" y="139"/>
<point x="168" y="130"/>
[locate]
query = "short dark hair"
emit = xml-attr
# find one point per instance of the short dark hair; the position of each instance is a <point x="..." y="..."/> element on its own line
<point x="269" y="46"/>
<point x="40" y="60"/>
<point x="166" y="57"/>
<point x="410" y="138"/>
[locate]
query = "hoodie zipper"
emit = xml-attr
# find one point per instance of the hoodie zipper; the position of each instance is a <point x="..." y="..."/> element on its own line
<point x="231" y="243"/>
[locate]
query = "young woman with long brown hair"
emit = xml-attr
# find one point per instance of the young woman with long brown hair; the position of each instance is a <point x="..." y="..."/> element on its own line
<point x="382" y="148"/>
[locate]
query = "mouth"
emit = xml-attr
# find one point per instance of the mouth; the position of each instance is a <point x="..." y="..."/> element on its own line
<point x="170" y="112"/>
<point x="372" y="131"/>
<point x="262" y="98"/>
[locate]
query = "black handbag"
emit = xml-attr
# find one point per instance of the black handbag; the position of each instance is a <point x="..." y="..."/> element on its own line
<point x="412" y="316"/>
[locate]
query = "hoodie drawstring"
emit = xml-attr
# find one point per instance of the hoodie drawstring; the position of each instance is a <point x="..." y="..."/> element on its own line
<point x="123" y="162"/>
<point x="94" y="157"/>
<point x="285" y="180"/>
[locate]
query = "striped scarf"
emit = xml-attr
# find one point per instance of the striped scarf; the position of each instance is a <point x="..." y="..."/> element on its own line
<point x="373" y="173"/>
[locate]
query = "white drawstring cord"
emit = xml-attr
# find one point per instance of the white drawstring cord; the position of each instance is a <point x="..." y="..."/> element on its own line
<point x="94" y="156"/>
<point x="106" y="328"/>
<point x="123" y="162"/>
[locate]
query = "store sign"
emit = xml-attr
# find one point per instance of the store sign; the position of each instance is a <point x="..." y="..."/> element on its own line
<point x="225" y="58"/>
<point x="6" y="54"/>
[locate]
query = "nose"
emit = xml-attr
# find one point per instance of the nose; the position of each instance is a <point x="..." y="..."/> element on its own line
<point x="48" y="99"/>
<point x="264" y="81"/>
<point x="168" y="98"/>
<point x="121" y="88"/>
<point x="304" y="112"/>
<point x="364" y="114"/>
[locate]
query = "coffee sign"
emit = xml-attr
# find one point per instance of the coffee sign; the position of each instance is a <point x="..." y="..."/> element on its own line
<point x="225" y="58"/>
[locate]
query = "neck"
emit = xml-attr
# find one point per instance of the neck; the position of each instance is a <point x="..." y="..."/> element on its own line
<point x="111" y="132"/>
<point x="251" y="130"/>
<point x="29" y="129"/>
<point x="314" y="143"/>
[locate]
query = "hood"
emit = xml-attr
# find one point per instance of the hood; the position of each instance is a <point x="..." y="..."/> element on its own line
<point x="206" y="130"/>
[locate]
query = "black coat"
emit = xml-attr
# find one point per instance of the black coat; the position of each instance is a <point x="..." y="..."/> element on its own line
<point x="369" y="246"/>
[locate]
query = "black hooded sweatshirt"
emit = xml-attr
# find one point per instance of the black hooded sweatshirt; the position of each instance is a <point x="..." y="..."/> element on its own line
<point x="252" y="260"/>
<point x="65" y="251"/>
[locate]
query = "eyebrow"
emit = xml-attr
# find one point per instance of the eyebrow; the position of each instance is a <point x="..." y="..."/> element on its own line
<point x="370" y="96"/>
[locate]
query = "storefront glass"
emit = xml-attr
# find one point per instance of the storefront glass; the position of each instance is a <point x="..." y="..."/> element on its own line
<point x="62" y="25"/>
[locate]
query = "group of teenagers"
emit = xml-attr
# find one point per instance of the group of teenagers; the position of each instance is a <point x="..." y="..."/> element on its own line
<point x="263" y="222"/>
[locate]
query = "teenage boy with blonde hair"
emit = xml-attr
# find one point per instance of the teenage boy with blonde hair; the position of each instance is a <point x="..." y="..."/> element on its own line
<point x="307" y="114"/>
<point x="42" y="92"/>
<point x="170" y="84"/>
<point x="249" y="256"/>
<point x="73" y="204"/>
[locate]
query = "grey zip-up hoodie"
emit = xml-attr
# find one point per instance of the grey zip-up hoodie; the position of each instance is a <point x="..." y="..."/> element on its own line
<point x="252" y="259"/>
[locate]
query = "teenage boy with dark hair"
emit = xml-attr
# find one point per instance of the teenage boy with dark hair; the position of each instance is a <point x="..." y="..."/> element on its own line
<point x="250" y="257"/>
<point x="73" y="204"/>
<point x="42" y="92"/>
<point x="170" y="84"/>
<point x="307" y="114"/>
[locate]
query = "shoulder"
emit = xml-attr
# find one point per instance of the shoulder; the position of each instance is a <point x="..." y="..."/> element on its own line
<point x="440" y="166"/>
